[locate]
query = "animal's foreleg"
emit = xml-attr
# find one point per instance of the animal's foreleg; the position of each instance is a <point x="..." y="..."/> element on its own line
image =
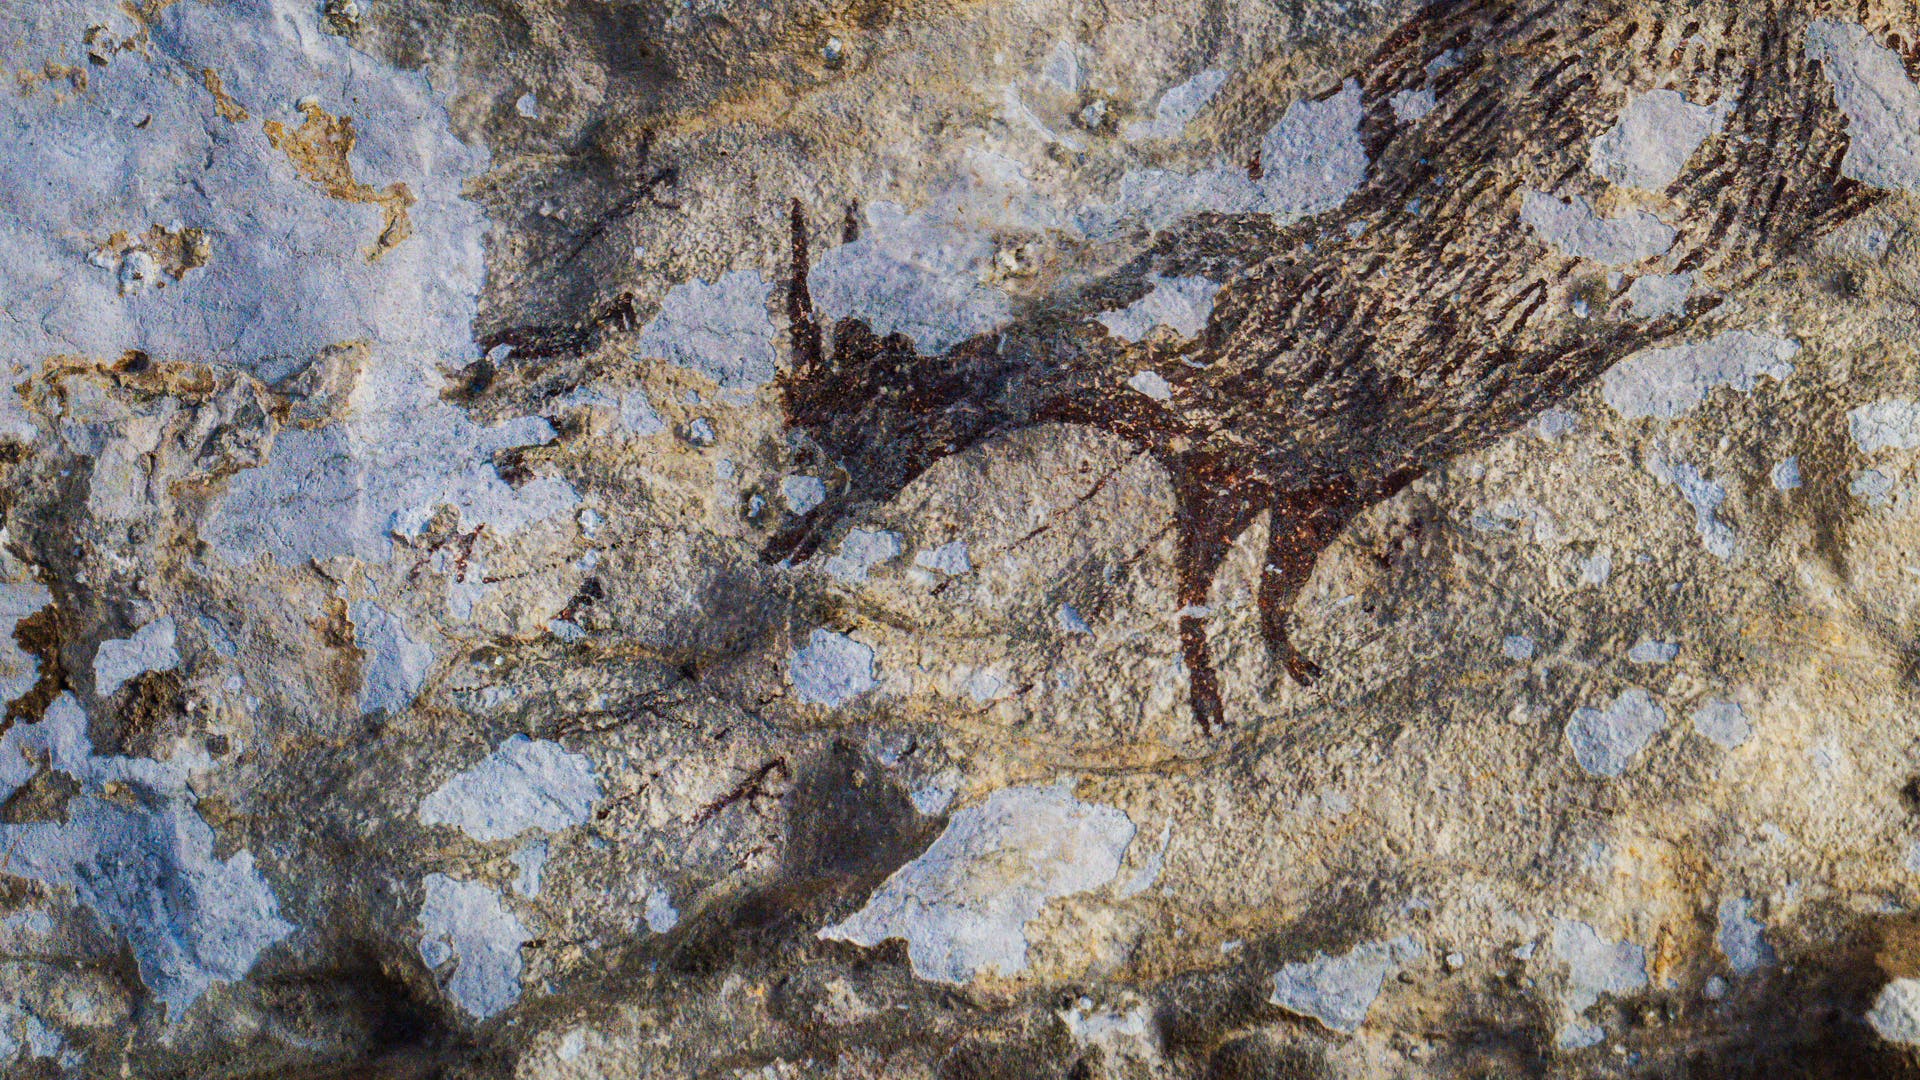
<point x="1301" y="525"/>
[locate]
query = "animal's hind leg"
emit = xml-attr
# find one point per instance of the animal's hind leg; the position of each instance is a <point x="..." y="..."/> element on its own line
<point x="1208" y="527"/>
<point x="1301" y="525"/>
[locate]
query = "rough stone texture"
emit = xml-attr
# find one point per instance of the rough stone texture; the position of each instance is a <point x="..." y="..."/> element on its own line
<point x="1297" y="538"/>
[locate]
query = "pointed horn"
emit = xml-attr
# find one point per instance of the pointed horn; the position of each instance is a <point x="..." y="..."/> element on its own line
<point x="807" y="357"/>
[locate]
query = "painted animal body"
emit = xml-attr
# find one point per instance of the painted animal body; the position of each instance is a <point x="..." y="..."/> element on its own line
<point x="1463" y="288"/>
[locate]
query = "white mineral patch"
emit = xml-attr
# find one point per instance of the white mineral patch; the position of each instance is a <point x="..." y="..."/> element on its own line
<point x="721" y="330"/>
<point x="1786" y="475"/>
<point x="1872" y="487"/>
<point x="1704" y="496"/>
<point x="1594" y="967"/>
<point x="1656" y="133"/>
<point x="1151" y="384"/>
<point x="146" y="865"/>
<point x="1117" y="1032"/>
<point x="963" y="905"/>
<point x="1741" y="937"/>
<point x="1517" y="647"/>
<point x="1655" y="296"/>
<point x="831" y="670"/>
<point x="1574" y="229"/>
<point x="1183" y="304"/>
<point x="949" y="558"/>
<point x="661" y="915"/>
<point x="638" y="415"/>
<point x="1891" y="423"/>
<point x="465" y="919"/>
<point x="1069" y="620"/>
<point x="531" y="860"/>
<point x="1311" y="161"/>
<point x="1605" y="741"/>
<point x="1895" y="1015"/>
<point x="1554" y="423"/>
<point x="1649" y="651"/>
<point x="1411" y="106"/>
<point x="348" y="487"/>
<point x="1313" y="158"/>
<point x="394" y="664"/>
<point x="151" y="648"/>
<point x="1882" y="104"/>
<point x="861" y="551"/>
<point x="918" y="274"/>
<point x="1596" y="569"/>
<point x="1670" y="382"/>
<point x="1177" y="107"/>
<point x="525" y="784"/>
<point x="1724" y="723"/>
<point x="1063" y="67"/>
<point x="289" y="272"/>
<point x="802" y="493"/>
<point x="1339" y="990"/>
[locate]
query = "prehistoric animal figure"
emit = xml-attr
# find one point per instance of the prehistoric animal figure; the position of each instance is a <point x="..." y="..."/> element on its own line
<point x="1485" y="268"/>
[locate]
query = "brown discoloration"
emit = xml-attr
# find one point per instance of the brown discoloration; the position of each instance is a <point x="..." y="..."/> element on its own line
<point x="229" y="109"/>
<point x="39" y="635"/>
<point x="320" y="150"/>
<point x="42" y="798"/>
<point x="151" y="712"/>
<point x="1339" y="366"/>
<point x="174" y="251"/>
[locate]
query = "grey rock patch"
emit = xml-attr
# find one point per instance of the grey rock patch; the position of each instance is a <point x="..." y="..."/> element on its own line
<point x="802" y="493"/>
<point x="1605" y="741"/>
<point x="1594" y="967"/>
<point x="1872" y="487"/>
<point x="1339" y="991"/>
<point x="1152" y="384"/>
<point x="661" y="916"/>
<point x="465" y="921"/>
<point x="1412" y="106"/>
<point x="831" y="670"/>
<point x="1655" y="296"/>
<point x="396" y="663"/>
<point x="1655" y="135"/>
<point x="1723" y="723"/>
<point x="860" y="552"/>
<point x="1177" y="107"/>
<point x="1705" y="496"/>
<point x="1553" y="423"/>
<point x="1517" y="647"/>
<point x="151" y="648"/>
<point x="1895" y="1015"/>
<point x="1650" y="651"/>
<point x="722" y="330"/>
<point x="1891" y="423"/>
<point x="915" y="274"/>
<point x="1181" y="303"/>
<point x="524" y="784"/>
<point x="1786" y="474"/>
<point x="949" y="558"/>
<point x="147" y="870"/>
<point x="1573" y="228"/>
<point x="1741" y="937"/>
<point x="963" y="905"/>
<point x="1670" y="382"/>
<point x="1882" y="105"/>
<point x="531" y="861"/>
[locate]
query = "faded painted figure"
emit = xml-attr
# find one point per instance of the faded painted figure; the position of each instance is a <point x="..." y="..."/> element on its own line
<point x="1549" y="187"/>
